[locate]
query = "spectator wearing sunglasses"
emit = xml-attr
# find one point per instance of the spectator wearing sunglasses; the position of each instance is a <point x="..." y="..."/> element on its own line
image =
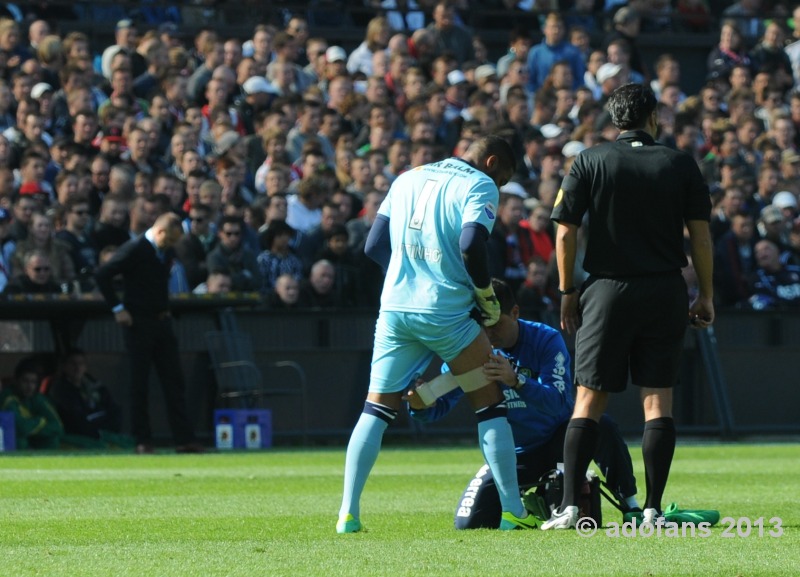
<point x="232" y="254"/>
<point x="37" y="278"/>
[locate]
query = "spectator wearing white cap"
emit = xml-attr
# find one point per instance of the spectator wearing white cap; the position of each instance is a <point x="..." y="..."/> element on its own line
<point x="513" y="187"/>
<point x="40" y="90"/>
<point x="455" y="94"/>
<point x="258" y="94"/>
<point x="338" y="56"/>
<point x="485" y="73"/>
<point x="335" y="65"/>
<point x="609" y="79"/>
<point x="570" y="151"/>
<point x="785" y="199"/>
<point x="554" y="137"/>
<point x="786" y="202"/>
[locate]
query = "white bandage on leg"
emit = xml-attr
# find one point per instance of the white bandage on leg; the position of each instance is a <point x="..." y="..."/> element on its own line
<point x="436" y="387"/>
<point x="472" y="380"/>
<point x="446" y="382"/>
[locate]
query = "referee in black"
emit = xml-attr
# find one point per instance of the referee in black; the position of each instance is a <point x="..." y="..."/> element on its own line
<point x="632" y="311"/>
<point x="144" y="265"/>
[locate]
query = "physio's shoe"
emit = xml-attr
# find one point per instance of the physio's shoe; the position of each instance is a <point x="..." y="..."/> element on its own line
<point x="348" y="524"/>
<point x="509" y="522"/>
<point x="565" y="519"/>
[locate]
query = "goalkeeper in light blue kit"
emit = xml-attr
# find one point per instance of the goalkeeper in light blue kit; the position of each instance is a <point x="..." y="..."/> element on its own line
<point x="430" y="236"/>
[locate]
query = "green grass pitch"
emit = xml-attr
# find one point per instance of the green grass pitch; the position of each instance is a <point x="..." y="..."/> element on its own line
<point x="273" y="513"/>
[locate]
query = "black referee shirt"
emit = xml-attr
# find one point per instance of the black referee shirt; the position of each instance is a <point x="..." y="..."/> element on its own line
<point x="638" y="194"/>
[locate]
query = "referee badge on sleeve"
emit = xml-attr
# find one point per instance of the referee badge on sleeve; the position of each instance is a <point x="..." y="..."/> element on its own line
<point x="559" y="197"/>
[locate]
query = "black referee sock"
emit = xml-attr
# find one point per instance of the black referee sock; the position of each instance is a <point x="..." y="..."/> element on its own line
<point x="580" y="443"/>
<point x="658" y="447"/>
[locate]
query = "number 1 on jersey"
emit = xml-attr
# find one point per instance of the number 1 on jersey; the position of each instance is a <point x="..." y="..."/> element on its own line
<point x="428" y="190"/>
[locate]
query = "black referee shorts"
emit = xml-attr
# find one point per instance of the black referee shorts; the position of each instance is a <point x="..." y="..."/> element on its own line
<point x="634" y="323"/>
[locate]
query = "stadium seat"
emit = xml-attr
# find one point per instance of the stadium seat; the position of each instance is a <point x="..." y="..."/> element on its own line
<point x="240" y="382"/>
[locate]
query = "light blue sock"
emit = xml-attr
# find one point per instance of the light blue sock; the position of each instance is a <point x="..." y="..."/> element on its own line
<point x="497" y="445"/>
<point x="362" y="452"/>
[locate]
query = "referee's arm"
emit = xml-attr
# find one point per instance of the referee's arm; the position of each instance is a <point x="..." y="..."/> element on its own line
<point x="701" y="311"/>
<point x="566" y="249"/>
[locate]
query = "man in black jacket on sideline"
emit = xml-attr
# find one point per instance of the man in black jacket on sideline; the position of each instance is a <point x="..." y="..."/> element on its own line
<point x="144" y="264"/>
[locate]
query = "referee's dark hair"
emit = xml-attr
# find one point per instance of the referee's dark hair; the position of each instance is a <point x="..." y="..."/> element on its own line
<point x="505" y="296"/>
<point x="631" y="105"/>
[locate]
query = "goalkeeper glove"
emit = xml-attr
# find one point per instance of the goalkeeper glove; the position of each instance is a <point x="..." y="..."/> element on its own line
<point x="488" y="304"/>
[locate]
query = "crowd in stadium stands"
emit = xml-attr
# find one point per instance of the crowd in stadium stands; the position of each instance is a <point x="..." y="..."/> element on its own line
<point x="277" y="149"/>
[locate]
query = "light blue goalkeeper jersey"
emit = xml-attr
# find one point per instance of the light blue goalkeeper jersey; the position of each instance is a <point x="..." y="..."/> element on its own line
<point x="427" y="207"/>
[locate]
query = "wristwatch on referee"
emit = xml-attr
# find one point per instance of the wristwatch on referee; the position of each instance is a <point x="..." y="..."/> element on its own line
<point x="568" y="291"/>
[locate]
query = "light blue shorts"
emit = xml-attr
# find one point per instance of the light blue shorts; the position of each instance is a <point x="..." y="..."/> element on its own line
<point x="405" y="344"/>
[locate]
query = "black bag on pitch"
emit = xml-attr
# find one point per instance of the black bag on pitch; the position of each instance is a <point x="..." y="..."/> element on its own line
<point x="543" y="498"/>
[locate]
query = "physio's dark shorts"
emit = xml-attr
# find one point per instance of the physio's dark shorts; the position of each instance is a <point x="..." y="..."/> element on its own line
<point x="635" y="323"/>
